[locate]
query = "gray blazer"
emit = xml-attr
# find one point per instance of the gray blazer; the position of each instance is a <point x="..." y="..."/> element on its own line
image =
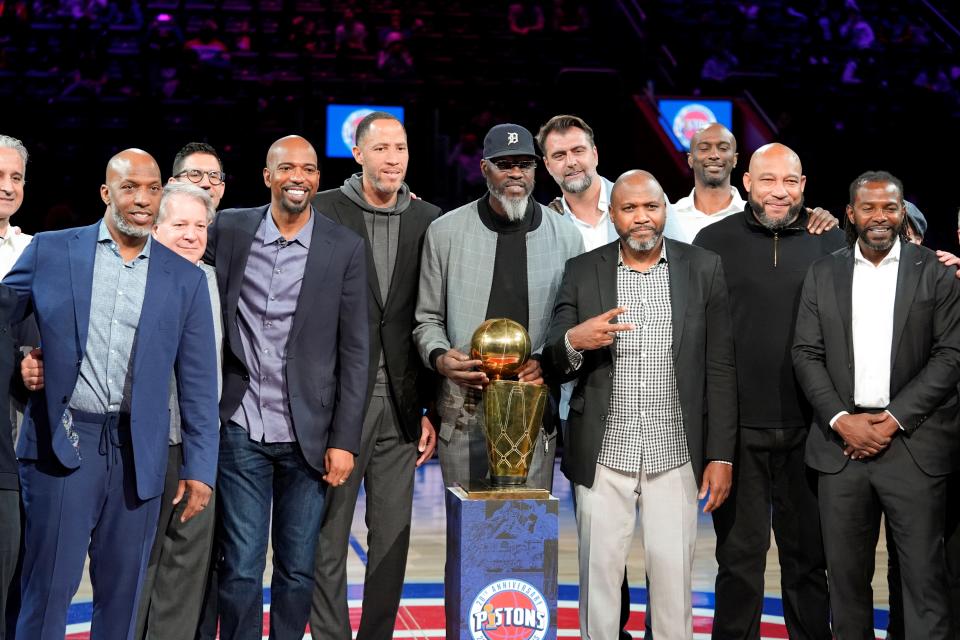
<point x="455" y="277"/>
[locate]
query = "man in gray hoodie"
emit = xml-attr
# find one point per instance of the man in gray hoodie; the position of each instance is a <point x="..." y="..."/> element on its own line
<point x="397" y="432"/>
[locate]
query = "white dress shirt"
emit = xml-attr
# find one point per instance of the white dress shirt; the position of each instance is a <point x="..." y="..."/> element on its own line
<point x="874" y="292"/>
<point x="11" y="246"/>
<point x="684" y="220"/>
<point x="874" y="295"/>
<point x="601" y="233"/>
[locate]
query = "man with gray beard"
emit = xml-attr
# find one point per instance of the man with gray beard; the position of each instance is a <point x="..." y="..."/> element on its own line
<point x="653" y="418"/>
<point x="766" y="250"/>
<point x="501" y="256"/>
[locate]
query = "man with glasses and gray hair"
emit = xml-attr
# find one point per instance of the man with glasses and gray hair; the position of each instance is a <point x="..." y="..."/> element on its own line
<point x="509" y="252"/>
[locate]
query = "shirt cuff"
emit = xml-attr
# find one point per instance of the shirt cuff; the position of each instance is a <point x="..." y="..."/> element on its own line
<point x="727" y="462"/>
<point x="833" y="420"/>
<point x="900" y="426"/>
<point x="435" y="355"/>
<point x="574" y="357"/>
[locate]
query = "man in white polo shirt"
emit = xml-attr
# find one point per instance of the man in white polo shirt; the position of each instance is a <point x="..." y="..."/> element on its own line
<point x="712" y="156"/>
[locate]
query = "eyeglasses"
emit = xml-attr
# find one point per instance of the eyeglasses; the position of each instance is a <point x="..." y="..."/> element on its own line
<point x="505" y="165"/>
<point x="196" y="175"/>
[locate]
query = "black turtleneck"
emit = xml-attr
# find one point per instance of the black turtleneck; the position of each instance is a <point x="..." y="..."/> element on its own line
<point x="508" y="291"/>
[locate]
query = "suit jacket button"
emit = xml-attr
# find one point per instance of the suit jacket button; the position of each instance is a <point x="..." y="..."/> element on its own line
<point x="246" y="378"/>
<point x="610" y="375"/>
<point x="64" y="400"/>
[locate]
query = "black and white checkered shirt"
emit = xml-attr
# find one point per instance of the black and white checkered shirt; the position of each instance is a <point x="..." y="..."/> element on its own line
<point x="644" y="428"/>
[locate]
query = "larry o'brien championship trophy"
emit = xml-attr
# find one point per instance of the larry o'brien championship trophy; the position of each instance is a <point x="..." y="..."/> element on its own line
<point x="501" y="570"/>
<point x="512" y="411"/>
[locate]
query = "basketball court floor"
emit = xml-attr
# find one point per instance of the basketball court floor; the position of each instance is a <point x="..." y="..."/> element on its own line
<point x="421" y="612"/>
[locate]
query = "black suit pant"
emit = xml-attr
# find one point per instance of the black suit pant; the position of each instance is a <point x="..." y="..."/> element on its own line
<point x="771" y="484"/>
<point x="851" y="503"/>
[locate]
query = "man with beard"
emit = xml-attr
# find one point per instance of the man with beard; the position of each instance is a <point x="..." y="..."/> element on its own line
<point x="766" y="250"/>
<point x="397" y="437"/>
<point x="293" y="285"/>
<point x="501" y="256"/>
<point x="570" y="157"/>
<point x="713" y="157"/>
<point x="653" y="417"/>
<point x="877" y="352"/>
<point x="109" y="302"/>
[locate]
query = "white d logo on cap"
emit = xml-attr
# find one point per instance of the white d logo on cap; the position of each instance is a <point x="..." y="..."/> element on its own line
<point x="513" y="137"/>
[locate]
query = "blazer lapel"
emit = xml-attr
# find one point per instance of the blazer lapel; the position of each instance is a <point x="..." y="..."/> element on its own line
<point x="607" y="282"/>
<point x="83" y="251"/>
<point x="908" y="278"/>
<point x="154" y="299"/>
<point x="843" y="290"/>
<point x="679" y="269"/>
<point x="353" y="220"/>
<point x="318" y="258"/>
<point x="242" y="242"/>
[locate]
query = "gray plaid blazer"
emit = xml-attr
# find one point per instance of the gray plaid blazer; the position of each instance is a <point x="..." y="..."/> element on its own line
<point x="455" y="278"/>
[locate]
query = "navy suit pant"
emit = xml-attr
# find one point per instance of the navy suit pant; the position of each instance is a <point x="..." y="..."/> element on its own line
<point x="69" y="511"/>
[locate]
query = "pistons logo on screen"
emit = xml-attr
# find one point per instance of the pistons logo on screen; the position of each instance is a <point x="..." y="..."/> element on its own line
<point x="349" y="127"/>
<point x="509" y="610"/>
<point x="691" y="119"/>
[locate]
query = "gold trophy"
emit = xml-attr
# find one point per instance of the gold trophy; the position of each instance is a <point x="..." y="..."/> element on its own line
<point x="512" y="411"/>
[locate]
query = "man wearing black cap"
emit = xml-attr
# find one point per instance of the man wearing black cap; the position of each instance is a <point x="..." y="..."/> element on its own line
<point x="500" y="256"/>
<point x="916" y="226"/>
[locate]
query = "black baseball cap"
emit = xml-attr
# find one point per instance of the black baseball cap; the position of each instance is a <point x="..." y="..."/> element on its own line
<point x="508" y="140"/>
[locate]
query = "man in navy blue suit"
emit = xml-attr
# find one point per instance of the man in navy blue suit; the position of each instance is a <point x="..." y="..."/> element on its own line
<point x="293" y="285"/>
<point x="118" y="314"/>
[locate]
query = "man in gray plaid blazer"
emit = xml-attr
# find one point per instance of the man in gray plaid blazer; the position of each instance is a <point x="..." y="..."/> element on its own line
<point x="499" y="256"/>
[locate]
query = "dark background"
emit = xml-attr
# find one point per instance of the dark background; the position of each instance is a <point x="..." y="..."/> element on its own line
<point x="851" y="86"/>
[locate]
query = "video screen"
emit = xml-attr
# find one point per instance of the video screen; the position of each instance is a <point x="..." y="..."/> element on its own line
<point x="342" y="121"/>
<point x="681" y="118"/>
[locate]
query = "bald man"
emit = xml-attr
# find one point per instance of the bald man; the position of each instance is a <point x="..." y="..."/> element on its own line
<point x="657" y="431"/>
<point x="295" y="356"/>
<point x="712" y="158"/>
<point x="766" y="250"/>
<point x="109" y="302"/>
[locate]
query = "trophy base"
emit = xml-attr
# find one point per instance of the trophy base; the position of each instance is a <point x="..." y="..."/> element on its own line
<point x="486" y="490"/>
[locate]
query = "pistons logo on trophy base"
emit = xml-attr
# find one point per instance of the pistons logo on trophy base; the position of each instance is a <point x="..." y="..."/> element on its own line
<point x="509" y="610"/>
<point x="691" y="119"/>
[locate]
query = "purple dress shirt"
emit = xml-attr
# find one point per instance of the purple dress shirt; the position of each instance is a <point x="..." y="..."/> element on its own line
<point x="268" y="300"/>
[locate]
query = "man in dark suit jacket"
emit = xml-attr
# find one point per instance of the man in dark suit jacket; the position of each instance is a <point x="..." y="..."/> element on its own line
<point x="397" y="436"/>
<point x="653" y="416"/>
<point x="877" y="352"/>
<point x="117" y="314"/>
<point x="295" y="357"/>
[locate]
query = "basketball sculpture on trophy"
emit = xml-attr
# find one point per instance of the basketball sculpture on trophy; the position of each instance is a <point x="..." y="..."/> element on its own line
<point x="512" y="410"/>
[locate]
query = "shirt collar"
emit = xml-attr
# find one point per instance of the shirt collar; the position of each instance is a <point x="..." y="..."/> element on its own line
<point x="103" y="235"/>
<point x="892" y="256"/>
<point x="272" y="233"/>
<point x="661" y="260"/>
<point x="688" y="204"/>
